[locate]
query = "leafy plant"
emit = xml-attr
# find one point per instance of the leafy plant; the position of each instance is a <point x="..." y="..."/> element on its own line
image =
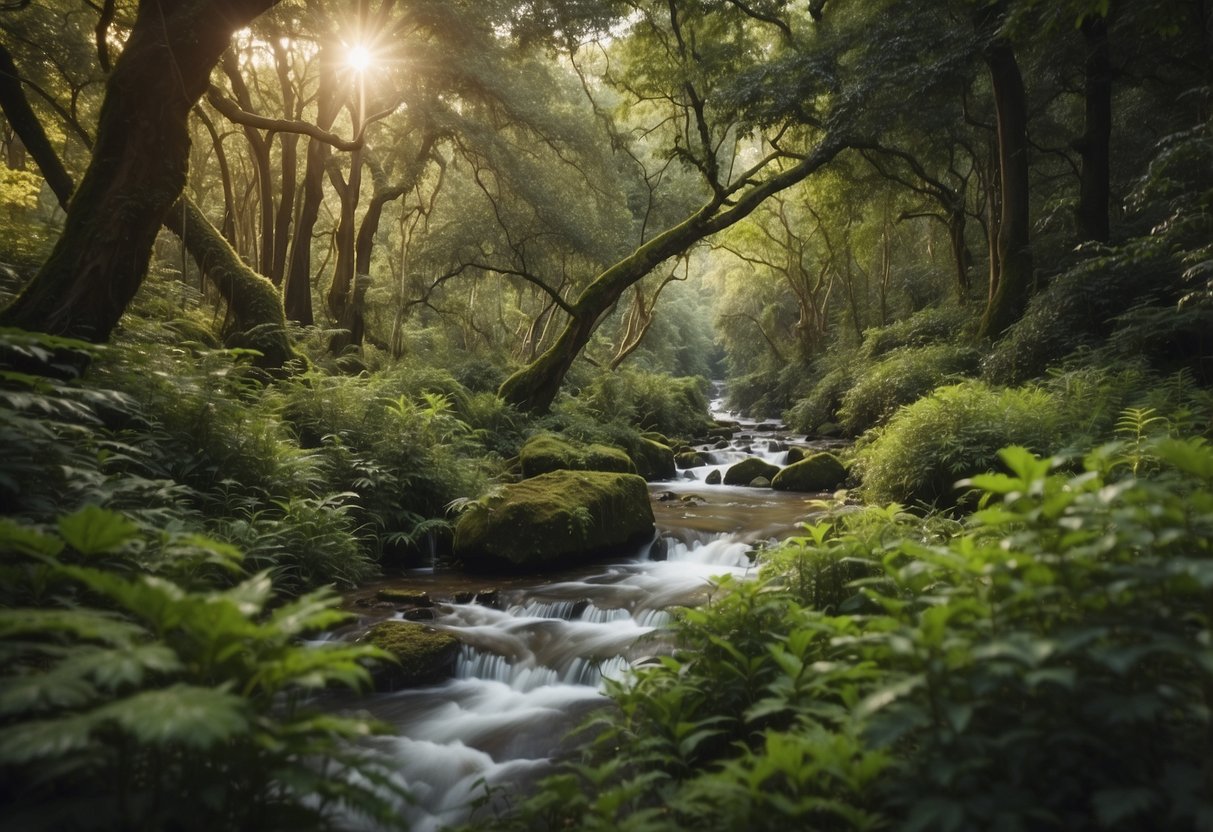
<point x="132" y="701"/>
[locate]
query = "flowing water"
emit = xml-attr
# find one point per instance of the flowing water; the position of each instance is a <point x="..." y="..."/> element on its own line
<point x="533" y="665"/>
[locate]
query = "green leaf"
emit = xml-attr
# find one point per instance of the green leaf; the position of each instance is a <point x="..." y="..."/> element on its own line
<point x="15" y="537"/>
<point x="195" y="717"/>
<point x="93" y="530"/>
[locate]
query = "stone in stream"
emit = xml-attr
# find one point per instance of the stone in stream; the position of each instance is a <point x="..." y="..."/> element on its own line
<point x="819" y="472"/>
<point x="795" y="454"/>
<point x="744" y="472"/>
<point x="546" y="452"/>
<point x="760" y="482"/>
<point x="689" y="459"/>
<point x="562" y="517"/>
<point x="425" y="655"/>
<point x="713" y="477"/>
<point x="405" y="597"/>
<point x="654" y="460"/>
<point x="720" y="446"/>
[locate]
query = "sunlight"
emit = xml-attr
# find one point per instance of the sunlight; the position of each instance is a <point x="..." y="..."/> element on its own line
<point x="358" y="58"/>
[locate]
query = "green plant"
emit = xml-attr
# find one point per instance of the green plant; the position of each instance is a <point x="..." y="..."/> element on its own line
<point x="899" y="378"/>
<point x="132" y="701"/>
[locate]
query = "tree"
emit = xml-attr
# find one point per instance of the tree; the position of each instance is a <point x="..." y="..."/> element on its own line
<point x="137" y="170"/>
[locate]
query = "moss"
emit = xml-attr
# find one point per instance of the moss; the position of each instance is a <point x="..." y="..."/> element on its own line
<point x="744" y="472"/>
<point x="689" y="459"/>
<point x="561" y="516"/>
<point x="819" y="472"/>
<point x="401" y="595"/>
<point x="659" y="438"/>
<point x="426" y="655"/>
<point x="546" y="453"/>
<point x="654" y="460"/>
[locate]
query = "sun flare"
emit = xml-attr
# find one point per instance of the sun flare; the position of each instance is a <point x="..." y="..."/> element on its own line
<point x="358" y="58"/>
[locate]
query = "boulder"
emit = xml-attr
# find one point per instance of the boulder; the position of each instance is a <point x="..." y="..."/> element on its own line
<point x="561" y="517"/>
<point x="713" y="477"/>
<point x="654" y="460"/>
<point x="744" y="472"/>
<point x="819" y="472"/>
<point x="689" y="459"/>
<point x="795" y="454"/>
<point x="760" y="482"/>
<point x="659" y="438"/>
<point x="829" y="430"/>
<point x="546" y="452"/>
<point x="426" y="656"/>
<point x="405" y="597"/>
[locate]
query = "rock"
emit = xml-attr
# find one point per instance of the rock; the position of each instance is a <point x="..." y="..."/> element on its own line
<point x="558" y="517"/>
<point x="463" y="596"/>
<point x="767" y="426"/>
<point x="546" y="452"/>
<point x="488" y="598"/>
<point x="760" y="482"/>
<point x="795" y="454"/>
<point x="720" y="446"/>
<point x="419" y="614"/>
<point x="713" y="477"/>
<point x="666" y="496"/>
<point x="819" y="472"/>
<point x="654" y="460"/>
<point x="660" y="550"/>
<point x="745" y="471"/>
<point x="775" y="446"/>
<point x="829" y="430"/>
<point x="689" y="459"/>
<point x="405" y="597"/>
<point x="659" y="438"/>
<point x="427" y="656"/>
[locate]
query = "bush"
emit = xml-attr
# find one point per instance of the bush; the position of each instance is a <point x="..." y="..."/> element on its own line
<point x="935" y="325"/>
<point x="821" y="404"/>
<point x="900" y="378"/>
<point x="137" y="702"/>
<point x="1044" y="665"/>
<point x="647" y="401"/>
<point x="955" y="432"/>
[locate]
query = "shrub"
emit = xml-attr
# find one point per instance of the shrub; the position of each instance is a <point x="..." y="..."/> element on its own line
<point x="135" y="702"/>
<point x="821" y="404"/>
<point x="647" y="401"/>
<point x="955" y="432"/>
<point x="898" y="379"/>
<point x="934" y="325"/>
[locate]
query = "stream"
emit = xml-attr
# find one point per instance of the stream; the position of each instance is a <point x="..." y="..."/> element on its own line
<point x="534" y="662"/>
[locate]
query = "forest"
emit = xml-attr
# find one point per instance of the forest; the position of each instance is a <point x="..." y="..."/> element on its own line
<point x="619" y="415"/>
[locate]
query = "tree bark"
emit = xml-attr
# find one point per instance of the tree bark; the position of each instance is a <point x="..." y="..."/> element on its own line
<point x="1095" y="144"/>
<point x="534" y="387"/>
<point x="1015" y="279"/>
<point x="137" y="170"/>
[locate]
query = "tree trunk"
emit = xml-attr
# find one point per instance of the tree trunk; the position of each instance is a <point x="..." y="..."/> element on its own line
<point x="1095" y="144"/>
<point x="297" y="293"/>
<point x="534" y="387"/>
<point x="1015" y="280"/>
<point x="257" y="319"/>
<point x="28" y="128"/>
<point x="137" y="170"/>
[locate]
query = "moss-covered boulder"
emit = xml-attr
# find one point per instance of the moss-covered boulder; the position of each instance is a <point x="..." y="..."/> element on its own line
<point x="760" y="482"/>
<point x="795" y="454"/>
<point x="713" y="477"/>
<point x="744" y="472"/>
<point x="546" y="452"/>
<point x="819" y="472"/>
<point x="654" y="460"/>
<point x="659" y="438"/>
<point x="558" y="517"/>
<point x="689" y="459"/>
<point x="426" y="656"/>
<point x="405" y="597"/>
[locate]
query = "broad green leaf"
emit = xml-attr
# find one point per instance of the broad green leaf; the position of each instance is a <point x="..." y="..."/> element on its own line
<point x="187" y="715"/>
<point x="93" y="530"/>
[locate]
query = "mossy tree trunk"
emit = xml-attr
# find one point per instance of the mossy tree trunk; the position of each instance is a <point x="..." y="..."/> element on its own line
<point x="1015" y="278"/>
<point x="137" y="170"/>
<point x="534" y="387"/>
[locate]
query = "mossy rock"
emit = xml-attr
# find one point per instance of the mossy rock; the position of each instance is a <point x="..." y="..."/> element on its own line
<point x="760" y="482"/>
<point x="795" y="454"/>
<point x="561" y="517"/>
<point x="713" y="477"/>
<point x="427" y="656"/>
<point x="546" y="452"/>
<point x="659" y="438"/>
<point x="654" y="460"/>
<point x="402" y="595"/>
<point x="819" y="472"/>
<point x="829" y="430"/>
<point x="689" y="459"/>
<point x="744" y="472"/>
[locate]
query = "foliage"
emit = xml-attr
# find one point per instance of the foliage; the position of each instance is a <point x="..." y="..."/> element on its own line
<point x="1045" y="664"/>
<point x="133" y="701"/>
<point x="954" y="432"/>
<point x="647" y="401"/>
<point x="933" y="325"/>
<point x="899" y="378"/>
<point x="823" y="400"/>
